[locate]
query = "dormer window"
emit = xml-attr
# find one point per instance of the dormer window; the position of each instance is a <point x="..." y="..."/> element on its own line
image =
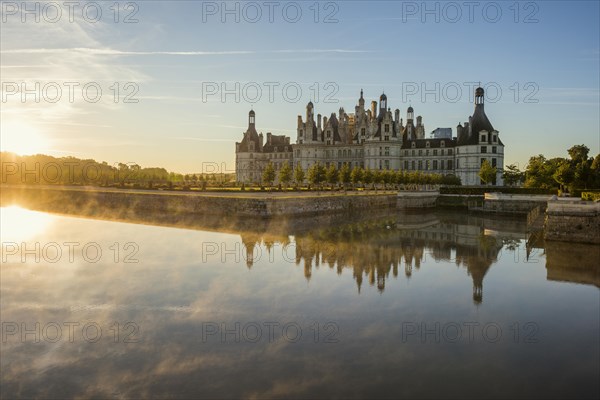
<point x="426" y="144"/>
<point x="483" y="138"/>
<point x="442" y="143"/>
<point x="495" y="138"/>
<point x="413" y="145"/>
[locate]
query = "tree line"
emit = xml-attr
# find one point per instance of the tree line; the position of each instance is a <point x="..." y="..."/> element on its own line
<point x="44" y="169"/>
<point x="575" y="173"/>
<point x="318" y="175"/>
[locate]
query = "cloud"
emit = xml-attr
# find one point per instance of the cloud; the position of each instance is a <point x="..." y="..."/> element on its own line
<point x="113" y="52"/>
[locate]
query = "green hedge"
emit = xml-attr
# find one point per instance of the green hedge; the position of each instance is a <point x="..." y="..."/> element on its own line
<point x="592" y="195"/>
<point x="481" y="190"/>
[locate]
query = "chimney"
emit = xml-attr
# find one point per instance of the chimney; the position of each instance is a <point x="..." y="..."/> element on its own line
<point x="319" y="121"/>
<point x="397" y="115"/>
<point x="373" y="108"/>
<point x="260" y="141"/>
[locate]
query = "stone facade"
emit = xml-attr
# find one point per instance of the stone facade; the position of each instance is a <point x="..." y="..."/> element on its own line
<point x="377" y="139"/>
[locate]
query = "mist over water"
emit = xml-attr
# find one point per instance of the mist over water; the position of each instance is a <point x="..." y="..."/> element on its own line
<point x="380" y="305"/>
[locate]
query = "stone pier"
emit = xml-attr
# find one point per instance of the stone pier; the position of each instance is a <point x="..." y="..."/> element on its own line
<point x="412" y="200"/>
<point x="573" y="221"/>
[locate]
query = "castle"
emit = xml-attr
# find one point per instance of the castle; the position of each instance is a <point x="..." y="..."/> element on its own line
<point x="376" y="139"/>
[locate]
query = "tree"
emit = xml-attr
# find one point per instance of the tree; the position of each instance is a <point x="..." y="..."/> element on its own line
<point x="356" y="176"/>
<point x="268" y="175"/>
<point x="564" y="174"/>
<point x="345" y="175"/>
<point x="368" y="176"/>
<point x="512" y="175"/>
<point x="579" y="153"/>
<point x="285" y="174"/>
<point x="539" y="172"/>
<point x="316" y="174"/>
<point x="331" y="175"/>
<point x="299" y="175"/>
<point x="487" y="173"/>
<point x="595" y="170"/>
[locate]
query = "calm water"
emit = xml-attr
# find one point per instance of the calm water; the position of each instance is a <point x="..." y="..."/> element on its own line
<point x="397" y="306"/>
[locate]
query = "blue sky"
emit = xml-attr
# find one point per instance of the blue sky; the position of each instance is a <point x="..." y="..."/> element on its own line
<point x="177" y="50"/>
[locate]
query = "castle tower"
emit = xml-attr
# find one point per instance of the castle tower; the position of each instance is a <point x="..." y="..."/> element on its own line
<point x="251" y="120"/>
<point x="382" y="105"/>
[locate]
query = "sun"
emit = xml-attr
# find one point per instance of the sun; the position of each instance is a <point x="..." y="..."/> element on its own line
<point x="22" y="138"/>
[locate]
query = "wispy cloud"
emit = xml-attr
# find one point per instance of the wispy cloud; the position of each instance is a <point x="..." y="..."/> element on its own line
<point x="113" y="52"/>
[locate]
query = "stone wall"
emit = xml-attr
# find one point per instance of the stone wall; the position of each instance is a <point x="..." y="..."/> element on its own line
<point x="577" y="221"/>
<point x="412" y="200"/>
<point x="513" y="203"/>
<point x="189" y="203"/>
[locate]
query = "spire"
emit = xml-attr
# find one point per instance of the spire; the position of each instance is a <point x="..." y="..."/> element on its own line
<point x="251" y="118"/>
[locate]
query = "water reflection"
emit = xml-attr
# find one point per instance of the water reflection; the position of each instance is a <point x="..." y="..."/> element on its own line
<point x="368" y="274"/>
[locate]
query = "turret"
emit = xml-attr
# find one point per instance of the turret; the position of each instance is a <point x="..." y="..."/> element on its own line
<point x="361" y="100"/>
<point x="382" y="104"/>
<point x="251" y="119"/>
<point x="410" y="114"/>
<point x="309" y="112"/>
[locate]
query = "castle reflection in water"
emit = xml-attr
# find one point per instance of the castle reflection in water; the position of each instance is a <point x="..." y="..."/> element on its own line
<point x="375" y="249"/>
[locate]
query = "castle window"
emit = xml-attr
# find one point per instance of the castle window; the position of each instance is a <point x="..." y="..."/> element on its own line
<point x="387" y="164"/>
<point x="405" y="164"/>
<point x="412" y="165"/>
<point x="494" y="149"/>
<point x="380" y="151"/>
<point x="387" y="151"/>
<point x="427" y="165"/>
<point x="450" y="152"/>
<point x="386" y="138"/>
<point x="484" y="149"/>
<point x="495" y="138"/>
<point x="362" y="131"/>
<point x="301" y="132"/>
<point x="493" y="162"/>
<point x="435" y="152"/>
<point x="427" y="152"/>
<point x="442" y="152"/>
<point x="450" y="164"/>
<point x="413" y="153"/>
<point x="420" y="152"/>
<point x="442" y="164"/>
<point x="483" y="138"/>
<point x="387" y="128"/>
<point x="420" y="165"/>
<point x="435" y="164"/>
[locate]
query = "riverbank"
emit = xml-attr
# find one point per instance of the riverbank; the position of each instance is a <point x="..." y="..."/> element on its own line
<point x="260" y="205"/>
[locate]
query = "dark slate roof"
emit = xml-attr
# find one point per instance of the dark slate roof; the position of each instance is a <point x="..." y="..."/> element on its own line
<point x="276" y="141"/>
<point x="334" y="123"/>
<point x="380" y="122"/>
<point x="433" y="143"/>
<point x="479" y="122"/>
<point x="250" y="135"/>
